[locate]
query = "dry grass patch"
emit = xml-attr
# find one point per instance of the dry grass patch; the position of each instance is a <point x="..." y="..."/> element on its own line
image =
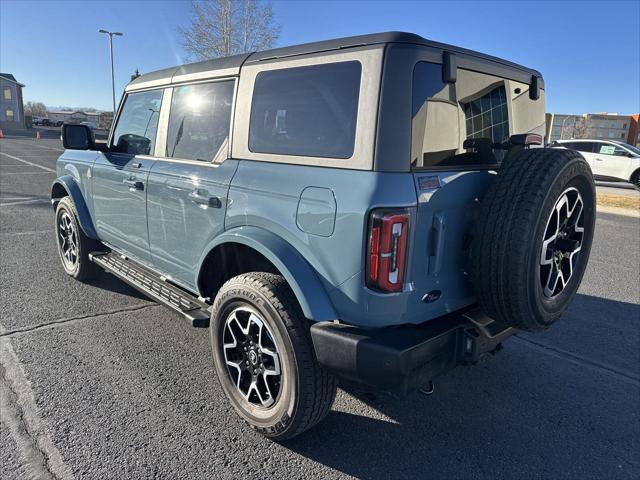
<point x="632" y="203"/>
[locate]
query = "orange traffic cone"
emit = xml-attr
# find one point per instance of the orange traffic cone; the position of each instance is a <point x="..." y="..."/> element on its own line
<point x="38" y="135"/>
<point x="1" y="134"/>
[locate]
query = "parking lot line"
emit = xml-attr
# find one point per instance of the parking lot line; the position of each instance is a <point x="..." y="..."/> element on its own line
<point x="28" y="162"/>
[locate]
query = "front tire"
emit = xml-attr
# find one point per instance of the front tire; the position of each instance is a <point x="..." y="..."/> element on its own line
<point x="635" y="179"/>
<point x="74" y="246"/>
<point x="264" y="357"/>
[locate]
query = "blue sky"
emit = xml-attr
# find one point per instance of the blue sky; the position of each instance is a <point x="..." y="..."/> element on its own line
<point x="588" y="52"/>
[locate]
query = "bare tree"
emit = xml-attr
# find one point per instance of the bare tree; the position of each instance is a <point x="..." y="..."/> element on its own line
<point x="575" y="126"/>
<point x="220" y="28"/>
<point x="35" y="109"/>
<point x="581" y="128"/>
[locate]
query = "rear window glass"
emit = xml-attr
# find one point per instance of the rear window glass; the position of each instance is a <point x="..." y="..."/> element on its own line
<point x="137" y="125"/>
<point x="478" y="107"/>
<point x="199" y="121"/>
<point x="306" y="111"/>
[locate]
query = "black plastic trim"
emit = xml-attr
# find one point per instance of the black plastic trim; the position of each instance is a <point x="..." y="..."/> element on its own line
<point x="401" y="359"/>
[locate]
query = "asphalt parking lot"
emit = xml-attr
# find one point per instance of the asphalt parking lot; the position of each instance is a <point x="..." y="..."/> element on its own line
<point x="98" y="382"/>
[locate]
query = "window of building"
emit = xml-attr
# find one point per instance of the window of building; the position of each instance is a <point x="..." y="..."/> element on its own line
<point x="307" y="111"/>
<point x="9" y="114"/>
<point x="199" y="121"/>
<point x="137" y="125"/>
<point x="622" y="135"/>
<point x="624" y="125"/>
<point x="6" y="93"/>
<point x="612" y="134"/>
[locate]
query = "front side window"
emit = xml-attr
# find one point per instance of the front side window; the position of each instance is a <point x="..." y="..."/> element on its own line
<point x="306" y="111"/>
<point x="137" y="125"/>
<point x="608" y="149"/>
<point x="7" y="93"/>
<point x="199" y="121"/>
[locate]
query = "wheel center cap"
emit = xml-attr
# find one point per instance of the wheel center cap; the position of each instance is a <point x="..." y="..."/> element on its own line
<point x="253" y="357"/>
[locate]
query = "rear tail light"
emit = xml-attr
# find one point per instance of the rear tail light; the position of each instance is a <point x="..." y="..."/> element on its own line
<point x="387" y="249"/>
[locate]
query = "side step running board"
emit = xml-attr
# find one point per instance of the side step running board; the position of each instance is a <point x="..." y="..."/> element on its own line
<point x="153" y="286"/>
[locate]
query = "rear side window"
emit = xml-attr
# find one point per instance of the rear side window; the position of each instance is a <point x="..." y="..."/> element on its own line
<point x="306" y="111"/>
<point x="137" y="125"/>
<point x="199" y="121"/>
<point x="587" y="147"/>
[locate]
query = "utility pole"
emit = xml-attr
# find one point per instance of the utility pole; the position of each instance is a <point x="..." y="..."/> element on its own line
<point x="113" y="81"/>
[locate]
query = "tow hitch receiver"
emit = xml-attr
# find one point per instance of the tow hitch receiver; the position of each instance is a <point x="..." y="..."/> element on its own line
<point x="401" y="359"/>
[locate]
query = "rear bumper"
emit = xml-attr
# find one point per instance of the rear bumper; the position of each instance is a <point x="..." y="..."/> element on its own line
<point x="400" y="359"/>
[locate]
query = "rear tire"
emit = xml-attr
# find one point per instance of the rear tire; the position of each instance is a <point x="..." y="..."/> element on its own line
<point x="257" y="325"/>
<point x="531" y="249"/>
<point x="74" y="246"/>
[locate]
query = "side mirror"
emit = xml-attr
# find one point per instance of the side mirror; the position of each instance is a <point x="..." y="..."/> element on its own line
<point x="77" y="137"/>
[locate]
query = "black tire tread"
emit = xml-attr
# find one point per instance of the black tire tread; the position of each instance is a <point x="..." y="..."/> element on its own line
<point x="87" y="269"/>
<point x="509" y="213"/>
<point x="317" y="386"/>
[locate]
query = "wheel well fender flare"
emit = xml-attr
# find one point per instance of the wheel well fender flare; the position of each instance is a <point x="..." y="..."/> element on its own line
<point x="66" y="185"/>
<point x="300" y="276"/>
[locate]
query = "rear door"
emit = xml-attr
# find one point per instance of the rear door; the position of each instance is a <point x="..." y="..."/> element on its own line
<point x="120" y="176"/>
<point x="189" y="184"/>
<point x="449" y="178"/>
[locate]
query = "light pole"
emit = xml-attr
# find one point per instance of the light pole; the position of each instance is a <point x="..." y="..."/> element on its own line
<point x="113" y="82"/>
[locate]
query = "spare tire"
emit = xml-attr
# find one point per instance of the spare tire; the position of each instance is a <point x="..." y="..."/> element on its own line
<point x="533" y="237"/>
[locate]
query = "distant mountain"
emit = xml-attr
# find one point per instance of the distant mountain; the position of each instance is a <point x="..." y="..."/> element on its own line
<point x="61" y="108"/>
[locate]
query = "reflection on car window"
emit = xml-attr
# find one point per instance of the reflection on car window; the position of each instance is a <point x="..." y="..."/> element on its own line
<point x="488" y="116"/>
<point x="307" y="111"/>
<point x="137" y="125"/>
<point x="199" y="121"/>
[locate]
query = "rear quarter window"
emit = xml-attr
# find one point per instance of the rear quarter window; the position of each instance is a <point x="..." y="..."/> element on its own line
<point x="306" y="111"/>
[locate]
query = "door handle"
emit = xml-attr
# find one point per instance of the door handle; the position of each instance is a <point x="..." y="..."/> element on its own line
<point x="598" y="159"/>
<point x="202" y="197"/>
<point x="133" y="184"/>
<point x="136" y="164"/>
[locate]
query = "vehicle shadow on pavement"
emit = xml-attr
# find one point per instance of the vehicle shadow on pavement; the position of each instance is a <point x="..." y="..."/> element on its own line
<point x="524" y="413"/>
<point x="106" y="281"/>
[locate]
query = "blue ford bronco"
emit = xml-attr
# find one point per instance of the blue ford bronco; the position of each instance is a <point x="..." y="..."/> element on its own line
<point x="373" y="208"/>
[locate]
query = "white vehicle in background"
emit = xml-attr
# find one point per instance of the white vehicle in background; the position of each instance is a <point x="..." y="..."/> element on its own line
<point x="609" y="159"/>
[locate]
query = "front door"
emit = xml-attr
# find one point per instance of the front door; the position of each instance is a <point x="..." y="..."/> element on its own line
<point x="120" y="176"/>
<point x="188" y="188"/>
<point x="611" y="161"/>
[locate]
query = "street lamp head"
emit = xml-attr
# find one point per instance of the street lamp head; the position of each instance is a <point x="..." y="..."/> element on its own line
<point x="117" y="33"/>
<point x="102" y="31"/>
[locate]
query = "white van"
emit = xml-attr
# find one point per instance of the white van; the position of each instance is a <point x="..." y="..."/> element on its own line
<point x="609" y="160"/>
